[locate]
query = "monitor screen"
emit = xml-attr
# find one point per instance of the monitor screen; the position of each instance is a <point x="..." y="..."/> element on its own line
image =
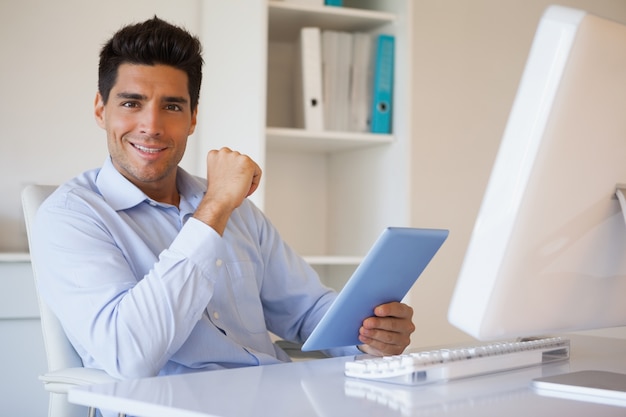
<point x="548" y="250"/>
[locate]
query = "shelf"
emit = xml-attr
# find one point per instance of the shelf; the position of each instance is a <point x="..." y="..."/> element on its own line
<point x="322" y="141"/>
<point x="14" y="257"/>
<point x="334" y="260"/>
<point x="286" y="19"/>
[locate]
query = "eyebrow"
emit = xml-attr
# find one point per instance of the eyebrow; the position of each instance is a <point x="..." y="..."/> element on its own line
<point x="137" y="96"/>
<point x="131" y="96"/>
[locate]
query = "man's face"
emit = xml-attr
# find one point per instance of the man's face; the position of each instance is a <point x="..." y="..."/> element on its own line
<point x="147" y="119"/>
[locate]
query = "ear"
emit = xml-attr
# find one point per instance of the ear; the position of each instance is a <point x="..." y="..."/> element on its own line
<point x="98" y="110"/>
<point x="194" y="120"/>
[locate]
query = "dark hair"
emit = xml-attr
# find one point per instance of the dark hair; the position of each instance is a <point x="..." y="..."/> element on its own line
<point x="152" y="42"/>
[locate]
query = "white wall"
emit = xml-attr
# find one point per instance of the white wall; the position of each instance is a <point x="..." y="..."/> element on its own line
<point x="48" y="82"/>
<point x="468" y="59"/>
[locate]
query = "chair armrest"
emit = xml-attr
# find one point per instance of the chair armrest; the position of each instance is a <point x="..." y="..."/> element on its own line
<point x="61" y="380"/>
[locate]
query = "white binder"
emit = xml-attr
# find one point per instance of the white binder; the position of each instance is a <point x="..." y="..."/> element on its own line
<point x="308" y="88"/>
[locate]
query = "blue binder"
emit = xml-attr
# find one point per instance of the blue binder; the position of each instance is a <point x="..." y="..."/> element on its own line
<point x="383" y="85"/>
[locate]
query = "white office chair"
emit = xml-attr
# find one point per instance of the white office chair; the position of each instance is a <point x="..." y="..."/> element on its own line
<point x="65" y="367"/>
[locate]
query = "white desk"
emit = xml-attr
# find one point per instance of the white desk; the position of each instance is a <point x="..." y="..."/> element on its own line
<point x="319" y="388"/>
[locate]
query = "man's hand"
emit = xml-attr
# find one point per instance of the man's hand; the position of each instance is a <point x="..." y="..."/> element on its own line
<point x="388" y="332"/>
<point x="231" y="177"/>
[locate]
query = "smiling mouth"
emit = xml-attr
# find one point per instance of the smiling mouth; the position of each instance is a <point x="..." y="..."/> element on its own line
<point x="147" y="150"/>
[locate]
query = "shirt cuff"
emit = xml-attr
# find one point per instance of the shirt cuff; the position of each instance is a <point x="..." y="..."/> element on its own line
<point x="200" y="244"/>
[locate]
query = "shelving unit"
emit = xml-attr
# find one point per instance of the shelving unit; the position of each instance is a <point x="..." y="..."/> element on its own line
<point x="329" y="193"/>
<point x="21" y="338"/>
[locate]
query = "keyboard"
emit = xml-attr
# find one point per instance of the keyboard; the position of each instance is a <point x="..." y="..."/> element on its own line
<point x="440" y="365"/>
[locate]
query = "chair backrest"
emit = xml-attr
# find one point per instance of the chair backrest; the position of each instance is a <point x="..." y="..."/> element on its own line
<point x="60" y="353"/>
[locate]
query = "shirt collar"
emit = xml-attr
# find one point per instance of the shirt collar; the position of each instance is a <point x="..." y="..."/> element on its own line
<point x="122" y="194"/>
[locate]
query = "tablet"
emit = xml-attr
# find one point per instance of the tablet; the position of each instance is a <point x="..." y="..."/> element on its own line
<point x="389" y="269"/>
<point x="602" y="387"/>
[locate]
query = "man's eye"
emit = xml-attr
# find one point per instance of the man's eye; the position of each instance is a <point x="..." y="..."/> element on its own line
<point x="173" y="107"/>
<point x="130" y="104"/>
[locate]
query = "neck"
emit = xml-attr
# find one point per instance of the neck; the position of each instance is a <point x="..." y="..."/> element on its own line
<point x="163" y="194"/>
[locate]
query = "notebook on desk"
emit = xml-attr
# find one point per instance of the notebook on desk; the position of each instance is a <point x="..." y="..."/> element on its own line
<point x="390" y="268"/>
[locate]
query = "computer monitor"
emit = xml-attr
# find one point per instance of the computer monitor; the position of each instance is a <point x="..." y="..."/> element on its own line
<point x="547" y="253"/>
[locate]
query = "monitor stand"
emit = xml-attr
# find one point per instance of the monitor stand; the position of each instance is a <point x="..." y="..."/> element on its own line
<point x="592" y="386"/>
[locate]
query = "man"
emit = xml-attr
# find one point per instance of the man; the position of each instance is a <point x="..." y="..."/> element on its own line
<point x="152" y="271"/>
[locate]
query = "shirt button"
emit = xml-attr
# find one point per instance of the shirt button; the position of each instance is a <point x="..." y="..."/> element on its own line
<point x="218" y="263"/>
<point x="216" y="315"/>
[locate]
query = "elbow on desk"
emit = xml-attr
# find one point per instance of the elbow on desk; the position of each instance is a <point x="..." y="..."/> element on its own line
<point x="129" y="364"/>
<point x="131" y="369"/>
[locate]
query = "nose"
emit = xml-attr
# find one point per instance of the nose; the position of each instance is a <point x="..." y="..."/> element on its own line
<point x="151" y="123"/>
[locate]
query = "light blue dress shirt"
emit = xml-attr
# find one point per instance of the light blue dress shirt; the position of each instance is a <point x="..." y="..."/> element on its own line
<point x="143" y="288"/>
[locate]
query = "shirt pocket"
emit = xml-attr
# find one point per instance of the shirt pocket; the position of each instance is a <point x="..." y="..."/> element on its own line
<point x="247" y="296"/>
